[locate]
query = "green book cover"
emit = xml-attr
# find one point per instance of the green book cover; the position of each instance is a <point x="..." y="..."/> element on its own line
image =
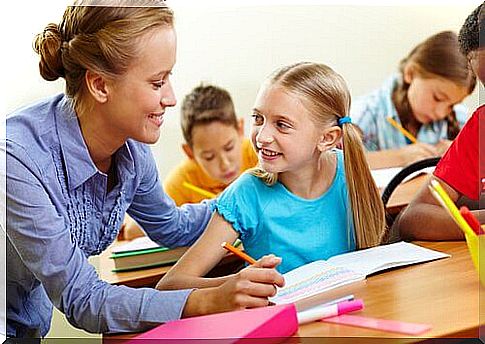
<point x="145" y="266"/>
<point x="138" y="252"/>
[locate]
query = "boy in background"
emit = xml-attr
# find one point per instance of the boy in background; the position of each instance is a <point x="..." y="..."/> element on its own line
<point x="217" y="152"/>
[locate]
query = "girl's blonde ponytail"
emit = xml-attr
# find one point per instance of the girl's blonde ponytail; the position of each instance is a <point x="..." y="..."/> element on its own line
<point x="367" y="207"/>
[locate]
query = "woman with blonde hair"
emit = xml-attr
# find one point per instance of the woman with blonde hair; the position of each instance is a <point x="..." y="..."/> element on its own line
<point x="79" y="160"/>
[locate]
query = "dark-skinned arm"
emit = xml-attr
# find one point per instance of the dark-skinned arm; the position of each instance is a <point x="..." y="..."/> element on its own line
<point x="426" y="219"/>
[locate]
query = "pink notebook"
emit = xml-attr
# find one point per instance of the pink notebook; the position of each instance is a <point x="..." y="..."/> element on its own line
<point x="275" y="322"/>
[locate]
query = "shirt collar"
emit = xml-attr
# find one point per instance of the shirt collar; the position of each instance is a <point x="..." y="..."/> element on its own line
<point x="125" y="161"/>
<point x="78" y="163"/>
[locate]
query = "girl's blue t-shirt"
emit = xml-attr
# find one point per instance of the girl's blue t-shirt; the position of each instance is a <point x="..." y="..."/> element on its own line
<point x="271" y="219"/>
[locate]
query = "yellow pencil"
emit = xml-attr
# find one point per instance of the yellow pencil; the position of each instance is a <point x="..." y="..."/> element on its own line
<point x="239" y="253"/>
<point x="451" y="207"/>
<point x="440" y="200"/>
<point x="402" y="130"/>
<point x="200" y="191"/>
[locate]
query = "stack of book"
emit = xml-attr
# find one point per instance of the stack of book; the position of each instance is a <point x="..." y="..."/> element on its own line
<point x="142" y="253"/>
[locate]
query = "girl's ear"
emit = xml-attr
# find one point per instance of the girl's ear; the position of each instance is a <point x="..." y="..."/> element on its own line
<point x="329" y="139"/>
<point x="188" y="151"/>
<point x="97" y="86"/>
<point x="408" y="73"/>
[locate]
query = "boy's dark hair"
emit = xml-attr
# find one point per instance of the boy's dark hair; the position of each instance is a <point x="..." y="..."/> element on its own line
<point x="471" y="35"/>
<point x="206" y="104"/>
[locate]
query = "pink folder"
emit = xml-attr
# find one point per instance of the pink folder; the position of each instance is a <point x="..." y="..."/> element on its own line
<point x="273" y="323"/>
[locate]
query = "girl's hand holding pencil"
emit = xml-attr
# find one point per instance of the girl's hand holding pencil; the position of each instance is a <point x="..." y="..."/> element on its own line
<point x="252" y="286"/>
<point x="249" y="288"/>
<point x="417" y="150"/>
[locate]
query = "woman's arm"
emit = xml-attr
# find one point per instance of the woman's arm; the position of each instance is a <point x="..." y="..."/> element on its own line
<point x="157" y="214"/>
<point x="43" y="249"/>
<point x="425" y="218"/>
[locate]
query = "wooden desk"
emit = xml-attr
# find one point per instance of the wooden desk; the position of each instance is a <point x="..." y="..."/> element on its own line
<point x="442" y="293"/>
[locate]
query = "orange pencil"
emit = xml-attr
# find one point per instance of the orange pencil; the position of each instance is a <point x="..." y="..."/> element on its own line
<point x="402" y="130"/>
<point x="248" y="259"/>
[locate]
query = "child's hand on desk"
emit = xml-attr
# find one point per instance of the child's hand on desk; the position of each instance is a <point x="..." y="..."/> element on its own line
<point x="443" y="146"/>
<point x="418" y="151"/>
<point x="248" y="288"/>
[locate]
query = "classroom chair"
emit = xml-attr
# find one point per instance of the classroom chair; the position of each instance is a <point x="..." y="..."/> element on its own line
<point x="391" y="236"/>
<point x="406" y="171"/>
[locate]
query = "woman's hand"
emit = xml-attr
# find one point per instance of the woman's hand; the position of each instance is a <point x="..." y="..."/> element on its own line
<point x="249" y="288"/>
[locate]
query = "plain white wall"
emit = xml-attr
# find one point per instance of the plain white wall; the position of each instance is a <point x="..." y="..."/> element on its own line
<point x="237" y="44"/>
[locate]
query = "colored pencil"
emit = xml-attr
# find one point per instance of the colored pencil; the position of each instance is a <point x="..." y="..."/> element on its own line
<point x="451" y="207"/>
<point x="402" y="130"/>
<point x="200" y="191"/>
<point x="248" y="259"/>
<point x="471" y="219"/>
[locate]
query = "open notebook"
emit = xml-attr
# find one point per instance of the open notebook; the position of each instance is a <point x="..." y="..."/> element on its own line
<point x="324" y="279"/>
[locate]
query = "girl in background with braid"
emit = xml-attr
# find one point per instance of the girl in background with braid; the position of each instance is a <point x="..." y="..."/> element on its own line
<point x="424" y="98"/>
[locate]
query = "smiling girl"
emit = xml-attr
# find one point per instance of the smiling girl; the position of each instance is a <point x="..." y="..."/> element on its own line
<point x="424" y="98"/>
<point x="306" y="201"/>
